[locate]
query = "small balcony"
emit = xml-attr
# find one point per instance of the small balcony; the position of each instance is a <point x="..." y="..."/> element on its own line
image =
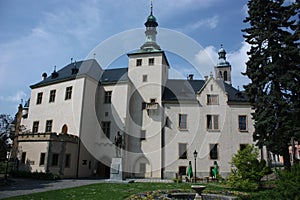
<point x="151" y="106"/>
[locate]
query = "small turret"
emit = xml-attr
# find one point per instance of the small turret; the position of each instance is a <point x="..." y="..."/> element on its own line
<point x="151" y="24"/>
<point x="223" y="67"/>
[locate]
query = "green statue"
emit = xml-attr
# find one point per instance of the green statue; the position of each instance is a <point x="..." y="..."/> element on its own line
<point x="190" y="171"/>
<point x="215" y="170"/>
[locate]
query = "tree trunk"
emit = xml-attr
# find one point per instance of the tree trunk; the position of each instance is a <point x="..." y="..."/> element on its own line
<point x="286" y="158"/>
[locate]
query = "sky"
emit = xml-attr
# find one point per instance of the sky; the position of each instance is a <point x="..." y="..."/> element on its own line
<point x="37" y="35"/>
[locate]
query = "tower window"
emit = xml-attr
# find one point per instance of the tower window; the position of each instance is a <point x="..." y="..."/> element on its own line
<point x="220" y="74"/>
<point x="145" y="78"/>
<point x="106" y="128"/>
<point x="39" y="98"/>
<point x="139" y="62"/>
<point x="151" y="61"/>
<point x="52" y="96"/>
<point x="68" y="93"/>
<point x="182" y="121"/>
<point x="143" y="135"/>
<point x="107" y="96"/>
<point x="225" y="76"/>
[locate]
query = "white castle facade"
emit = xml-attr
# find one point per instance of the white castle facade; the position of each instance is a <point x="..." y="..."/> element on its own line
<point x="75" y="114"/>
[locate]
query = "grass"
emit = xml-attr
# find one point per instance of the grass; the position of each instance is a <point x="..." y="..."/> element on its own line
<point x="112" y="191"/>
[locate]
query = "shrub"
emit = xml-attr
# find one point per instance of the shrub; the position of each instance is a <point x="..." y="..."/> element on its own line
<point x="249" y="170"/>
<point x="35" y="175"/>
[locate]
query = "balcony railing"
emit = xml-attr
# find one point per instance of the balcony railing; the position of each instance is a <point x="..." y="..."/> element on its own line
<point x="151" y="106"/>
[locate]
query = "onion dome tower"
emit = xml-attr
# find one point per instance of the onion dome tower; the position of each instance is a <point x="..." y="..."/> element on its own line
<point x="223" y="67"/>
<point x="151" y="24"/>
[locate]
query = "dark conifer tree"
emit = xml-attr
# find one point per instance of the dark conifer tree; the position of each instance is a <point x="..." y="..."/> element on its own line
<point x="274" y="70"/>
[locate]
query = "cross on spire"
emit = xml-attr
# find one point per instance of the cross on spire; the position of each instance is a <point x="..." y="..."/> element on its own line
<point x="151" y="7"/>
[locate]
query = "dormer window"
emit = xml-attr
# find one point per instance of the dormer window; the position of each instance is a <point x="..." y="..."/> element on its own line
<point x="212" y="99"/>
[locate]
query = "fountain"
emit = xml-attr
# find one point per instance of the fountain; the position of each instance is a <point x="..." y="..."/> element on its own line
<point x="198" y="189"/>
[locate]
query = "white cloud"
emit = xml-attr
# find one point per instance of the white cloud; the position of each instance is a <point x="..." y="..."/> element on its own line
<point x="238" y="61"/>
<point x="186" y="4"/>
<point x="210" y="23"/>
<point x="208" y="57"/>
<point x="14" y="98"/>
<point x="245" y="10"/>
<point x="206" y="60"/>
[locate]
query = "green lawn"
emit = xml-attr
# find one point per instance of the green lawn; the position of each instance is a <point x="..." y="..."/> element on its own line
<point x="108" y="191"/>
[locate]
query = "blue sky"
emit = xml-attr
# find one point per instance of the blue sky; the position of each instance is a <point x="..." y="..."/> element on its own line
<point x="37" y="35"/>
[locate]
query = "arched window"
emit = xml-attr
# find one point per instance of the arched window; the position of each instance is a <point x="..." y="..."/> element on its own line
<point x="64" y="129"/>
<point x="225" y="76"/>
<point x="220" y="74"/>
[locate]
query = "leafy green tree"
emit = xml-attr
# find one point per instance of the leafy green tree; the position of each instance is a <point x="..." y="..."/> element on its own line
<point x="248" y="170"/>
<point x="274" y="70"/>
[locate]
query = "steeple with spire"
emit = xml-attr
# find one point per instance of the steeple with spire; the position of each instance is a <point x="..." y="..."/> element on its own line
<point x="223" y="67"/>
<point x="151" y="24"/>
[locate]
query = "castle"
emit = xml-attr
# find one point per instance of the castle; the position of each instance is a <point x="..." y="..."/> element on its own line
<point x="75" y="114"/>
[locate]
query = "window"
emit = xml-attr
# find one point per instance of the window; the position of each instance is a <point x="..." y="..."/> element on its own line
<point x="212" y="99"/>
<point x="139" y="62"/>
<point x="151" y="61"/>
<point x="35" y="127"/>
<point x="107" y="96"/>
<point x="64" y="129"/>
<point x="54" y="159"/>
<point x="42" y="158"/>
<point x="211" y="87"/>
<point x="182" y="151"/>
<point x="143" y="135"/>
<point x="52" y="96"/>
<point x="225" y="76"/>
<point x="243" y="123"/>
<point x="39" y="98"/>
<point x="182" y="170"/>
<point x="48" y="126"/>
<point x="212" y="122"/>
<point x="142" y="168"/>
<point x="182" y="121"/>
<point x="145" y="78"/>
<point x="68" y="94"/>
<point x="106" y="128"/>
<point x="213" y="153"/>
<point x="67" y="160"/>
<point x="23" y="158"/>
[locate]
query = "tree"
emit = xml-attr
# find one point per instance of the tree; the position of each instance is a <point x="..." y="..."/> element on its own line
<point x="274" y="70"/>
<point x="249" y="170"/>
<point x="5" y="140"/>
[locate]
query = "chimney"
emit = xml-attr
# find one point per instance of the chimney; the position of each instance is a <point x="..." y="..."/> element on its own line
<point x="44" y="75"/>
<point x="191" y="77"/>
